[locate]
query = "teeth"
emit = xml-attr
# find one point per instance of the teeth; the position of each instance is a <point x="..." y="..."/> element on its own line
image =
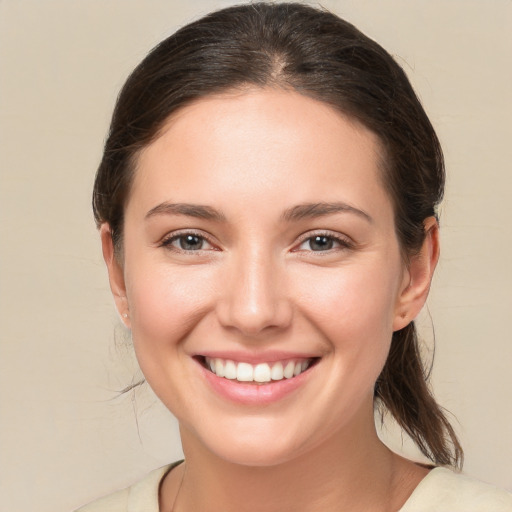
<point x="288" y="369"/>
<point x="229" y="370"/>
<point x="262" y="372"/>
<point x="244" y="372"/>
<point x="277" y="372"/>
<point x="219" y="367"/>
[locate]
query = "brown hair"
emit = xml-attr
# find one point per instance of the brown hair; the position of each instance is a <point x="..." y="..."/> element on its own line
<point x="322" y="56"/>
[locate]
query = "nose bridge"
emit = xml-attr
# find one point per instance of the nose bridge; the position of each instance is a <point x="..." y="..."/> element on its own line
<point x="254" y="298"/>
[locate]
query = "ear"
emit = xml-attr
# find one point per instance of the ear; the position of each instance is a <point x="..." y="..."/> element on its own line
<point x="417" y="277"/>
<point x="115" y="274"/>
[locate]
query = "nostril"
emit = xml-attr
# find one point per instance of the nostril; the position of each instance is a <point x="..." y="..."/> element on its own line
<point x="255" y="319"/>
<point x="253" y="296"/>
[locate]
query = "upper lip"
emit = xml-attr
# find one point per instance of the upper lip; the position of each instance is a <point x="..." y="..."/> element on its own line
<point x="256" y="357"/>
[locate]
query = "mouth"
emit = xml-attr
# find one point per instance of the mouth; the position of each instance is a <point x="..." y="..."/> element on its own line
<point x="262" y="373"/>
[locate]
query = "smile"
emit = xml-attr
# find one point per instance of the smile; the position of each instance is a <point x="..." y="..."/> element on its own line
<point x="260" y="373"/>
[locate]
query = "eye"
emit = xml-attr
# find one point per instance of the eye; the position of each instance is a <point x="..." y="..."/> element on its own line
<point x="187" y="242"/>
<point x="323" y="242"/>
<point x="320" y="243"/>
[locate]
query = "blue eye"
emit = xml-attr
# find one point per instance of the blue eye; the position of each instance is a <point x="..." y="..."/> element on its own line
<point x="323" y="243"/>
<point x="188" y="242"/>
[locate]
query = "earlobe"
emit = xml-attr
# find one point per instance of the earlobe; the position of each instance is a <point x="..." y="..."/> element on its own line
<point x="115" y="273"/>
<point x="418" y="277"/>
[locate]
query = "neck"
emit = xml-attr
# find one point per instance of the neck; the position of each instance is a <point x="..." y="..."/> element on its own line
<point x="347" y="472"/>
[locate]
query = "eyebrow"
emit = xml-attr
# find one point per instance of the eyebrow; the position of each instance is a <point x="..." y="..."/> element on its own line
<point x="191" y="210"/>
<point x="312" y="210"/>
<point x="296" y="213"/>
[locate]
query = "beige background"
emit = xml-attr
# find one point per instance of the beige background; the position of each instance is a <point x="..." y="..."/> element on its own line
<point x="66" y="436"/>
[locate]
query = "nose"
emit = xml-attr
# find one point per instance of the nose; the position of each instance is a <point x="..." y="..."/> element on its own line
<point x="254" y="297"/>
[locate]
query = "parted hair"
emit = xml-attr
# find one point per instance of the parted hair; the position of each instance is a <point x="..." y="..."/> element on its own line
<point x="313" y="52"/>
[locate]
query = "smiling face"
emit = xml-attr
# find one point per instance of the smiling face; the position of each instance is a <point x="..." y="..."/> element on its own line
<point x="261" y="274"/>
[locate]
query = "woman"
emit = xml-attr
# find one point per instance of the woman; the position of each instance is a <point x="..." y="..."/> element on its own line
<point x="267" y="208"/>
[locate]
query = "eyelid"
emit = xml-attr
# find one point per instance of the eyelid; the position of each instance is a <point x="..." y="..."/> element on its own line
<point x="345" y="241"/>
<point x="166" y="241"/>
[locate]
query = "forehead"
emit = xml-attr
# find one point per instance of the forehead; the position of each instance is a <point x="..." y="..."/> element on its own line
<point x="260" y="142"/>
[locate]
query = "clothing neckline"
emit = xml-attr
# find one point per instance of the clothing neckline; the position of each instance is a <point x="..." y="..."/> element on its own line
<point x="424" y="482"/>
<point x="152" y="483"/>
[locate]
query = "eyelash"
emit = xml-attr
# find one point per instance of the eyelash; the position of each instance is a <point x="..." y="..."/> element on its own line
<point x="167" y="242"/>
<point x="343" y="242"/>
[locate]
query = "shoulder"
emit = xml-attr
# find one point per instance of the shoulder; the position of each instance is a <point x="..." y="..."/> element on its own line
<point x="142" y="495"/>
<point x="115" y="502"/>
<point x="443" y="490"/>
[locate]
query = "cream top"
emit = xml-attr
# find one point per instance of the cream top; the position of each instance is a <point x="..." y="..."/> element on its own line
<point x="441" y="490"/>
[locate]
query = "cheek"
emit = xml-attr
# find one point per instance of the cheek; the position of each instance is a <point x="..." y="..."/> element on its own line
<point x="354" y="311"/>
<point x="362" y="297"/>
<point x="165" y="304"/>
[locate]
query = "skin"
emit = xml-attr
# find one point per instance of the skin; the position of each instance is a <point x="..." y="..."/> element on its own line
<point x="253" y="284"/>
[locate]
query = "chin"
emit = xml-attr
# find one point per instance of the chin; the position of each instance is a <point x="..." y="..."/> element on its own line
<point x="256" y="445"/>
<point x="256" y="456"/>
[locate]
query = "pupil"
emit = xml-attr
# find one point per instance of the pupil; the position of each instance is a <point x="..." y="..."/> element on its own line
<point x="321" y="243"/>
<point x="190" y="242"/>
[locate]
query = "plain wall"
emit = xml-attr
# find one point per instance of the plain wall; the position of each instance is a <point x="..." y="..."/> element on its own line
<point x="66" y="436"/>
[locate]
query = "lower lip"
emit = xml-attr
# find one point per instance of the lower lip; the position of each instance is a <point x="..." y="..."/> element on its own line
<point x="252" y="393"/>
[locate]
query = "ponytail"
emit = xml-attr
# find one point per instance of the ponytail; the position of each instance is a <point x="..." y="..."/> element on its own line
<point x="402" y="388"/>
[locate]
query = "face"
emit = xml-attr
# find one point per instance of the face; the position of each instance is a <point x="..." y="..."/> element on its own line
<point x="261" y="273"/>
